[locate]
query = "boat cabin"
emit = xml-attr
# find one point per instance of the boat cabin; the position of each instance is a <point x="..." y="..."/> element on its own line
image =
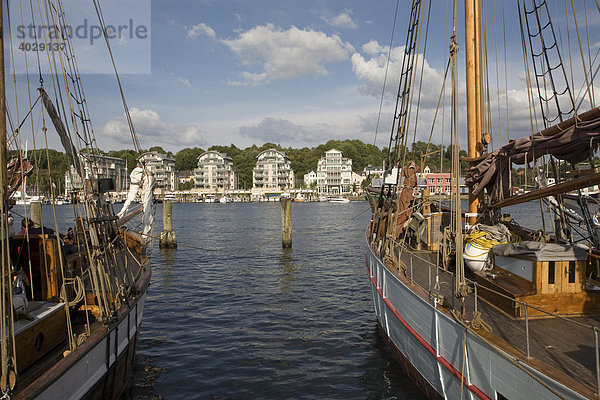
<point x="546" y="276"/>
<point x="41" y="319"/>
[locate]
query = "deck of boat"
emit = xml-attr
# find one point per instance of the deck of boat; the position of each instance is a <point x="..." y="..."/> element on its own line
<point x="566" y="346"/>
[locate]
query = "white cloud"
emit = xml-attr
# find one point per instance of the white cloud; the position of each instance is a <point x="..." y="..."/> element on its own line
<point x="152" y="130"/>
<point x="371" y="70"/>
<point x="200" y="29"/>
<point x="184" y="82"/>
<point x="343" y="20"/>
<point x="300" y="129"/>
<point x="289" y="54"/>
<point x="372" y="47"/>
<point x="283" y="131"/>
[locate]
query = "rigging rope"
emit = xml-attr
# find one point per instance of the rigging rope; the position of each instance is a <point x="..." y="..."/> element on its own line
<point x="134" y="137"/>
<point x="387" y="65"/>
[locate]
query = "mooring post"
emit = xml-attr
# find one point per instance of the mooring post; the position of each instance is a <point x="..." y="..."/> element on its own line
<point x="286" y="222"/>
<point x="167" y="236"/>
<point x="36" y="213"/>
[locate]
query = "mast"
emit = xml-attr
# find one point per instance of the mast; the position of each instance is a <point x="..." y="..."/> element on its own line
<point x="6" y="379"/>
<point x="473" y="76"/>
<point x="3" y="173"/>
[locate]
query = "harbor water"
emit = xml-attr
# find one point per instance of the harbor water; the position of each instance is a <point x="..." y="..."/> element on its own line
<point x="231" y="315"/>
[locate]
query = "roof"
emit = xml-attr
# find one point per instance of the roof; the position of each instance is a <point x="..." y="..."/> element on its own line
<point x="158" y="155"/>
<point x="273" y="149"/>
<point x="223" y="155"/>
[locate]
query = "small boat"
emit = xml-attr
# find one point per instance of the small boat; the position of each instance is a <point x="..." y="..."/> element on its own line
<point x="171" y="197"/>
<point x="339" y="200"/>
<point x="299" y="198"/>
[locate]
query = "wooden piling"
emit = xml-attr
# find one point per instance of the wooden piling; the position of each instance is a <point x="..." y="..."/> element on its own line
<point x="167" y="236"/>
<point x="35" y="209"/>
<point x="286" y="222"/>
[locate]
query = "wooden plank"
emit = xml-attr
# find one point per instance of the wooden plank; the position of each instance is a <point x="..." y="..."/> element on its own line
<point x="40" y="336"/>
<point x="564" y="187"/>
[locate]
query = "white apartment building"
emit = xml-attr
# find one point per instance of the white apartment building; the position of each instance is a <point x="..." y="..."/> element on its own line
<point x="273" y="171"/>
<point x="100" y="167"/>
<point x="215" y="172"/>
<point x="357" y="180"/>
<point x="334" y="174"/>
<point x="163" y="168"/>
<point x="309" y="178"/>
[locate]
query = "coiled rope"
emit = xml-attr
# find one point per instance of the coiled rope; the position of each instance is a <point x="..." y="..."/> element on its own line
<point x="479" y="240"/>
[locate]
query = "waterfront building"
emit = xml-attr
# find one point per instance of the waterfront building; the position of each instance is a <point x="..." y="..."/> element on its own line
<point x="215" y="172"/>
<point x="309" y="178"/>
<point x="185" y="177"/>
<point x="100" y="167"/>
<point x="334" y="174"/>
<point x="357" y="180"/>
<point x="373" y="170"/>
<point x="273" y="171"/>
<point x="440" y="182"/>
<point x="163" y="168"/>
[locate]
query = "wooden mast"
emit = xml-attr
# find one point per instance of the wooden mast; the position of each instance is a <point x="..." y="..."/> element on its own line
<point x="6" y="379"/>
<point x="473" y="76"/>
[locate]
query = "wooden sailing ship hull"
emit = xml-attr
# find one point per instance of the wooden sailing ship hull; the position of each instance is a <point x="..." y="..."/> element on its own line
<point x="100" y="367"/>
<point x="443" y="357"/>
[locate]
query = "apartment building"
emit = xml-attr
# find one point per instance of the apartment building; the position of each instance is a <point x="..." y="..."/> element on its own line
<point x="163" y="168"/>
<point x="334" y="174"/>
<point x="273" y="171"/>
<point x="215" y="172"/>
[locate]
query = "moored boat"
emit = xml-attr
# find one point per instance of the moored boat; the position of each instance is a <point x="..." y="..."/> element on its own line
<point x="339" y="200"/>
<point x="515" y="324"/>
<point x="73" y="290"/>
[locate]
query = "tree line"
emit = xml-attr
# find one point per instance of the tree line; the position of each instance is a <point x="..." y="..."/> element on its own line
<point x="50" y="167"/>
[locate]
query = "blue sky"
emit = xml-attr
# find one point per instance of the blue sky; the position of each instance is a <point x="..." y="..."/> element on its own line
<point x="297" y="73"/>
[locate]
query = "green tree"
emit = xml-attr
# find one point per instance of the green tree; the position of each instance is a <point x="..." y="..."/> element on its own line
<point x="158" y="149"/>
<point x="187" y="159"/>
<point x="186" y="185"/>
<point x="367" y="181"/>
<point x="130" y="155"/>
<point x="49" y="167"/>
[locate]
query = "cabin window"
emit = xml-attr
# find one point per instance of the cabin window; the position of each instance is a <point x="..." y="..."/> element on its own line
<point x="571" y="272"/>
<point x="551" y="267"/>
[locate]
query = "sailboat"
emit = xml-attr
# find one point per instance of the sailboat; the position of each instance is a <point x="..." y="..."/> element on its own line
<point x="471" y="303"/>
<point x="72" y="291"/>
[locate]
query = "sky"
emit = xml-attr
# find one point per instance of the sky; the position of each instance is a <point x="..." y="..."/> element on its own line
<point x="297" y="73"/>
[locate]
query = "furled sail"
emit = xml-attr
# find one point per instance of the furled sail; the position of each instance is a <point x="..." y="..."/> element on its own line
<point x="62" y="132"/>
<point x="573" y="144"/>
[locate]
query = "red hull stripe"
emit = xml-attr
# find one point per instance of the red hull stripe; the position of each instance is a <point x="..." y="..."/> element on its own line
<point x="474" y="389"/>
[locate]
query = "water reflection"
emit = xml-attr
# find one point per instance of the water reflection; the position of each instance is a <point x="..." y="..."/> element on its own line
<point x="288" y="269"/>
<point x="167" y="260"/>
